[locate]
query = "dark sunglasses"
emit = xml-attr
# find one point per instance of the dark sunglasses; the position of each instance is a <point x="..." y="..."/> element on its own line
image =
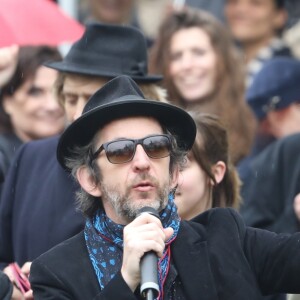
<point x="123" y="151"/>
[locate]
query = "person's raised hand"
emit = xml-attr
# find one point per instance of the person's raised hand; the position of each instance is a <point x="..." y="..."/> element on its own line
<point x="8" y="63"/>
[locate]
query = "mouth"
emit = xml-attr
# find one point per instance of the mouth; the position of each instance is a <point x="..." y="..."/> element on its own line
<point x="195" y="81"/>
<point x="143" y="186"/>
<point x="51" y="117"/>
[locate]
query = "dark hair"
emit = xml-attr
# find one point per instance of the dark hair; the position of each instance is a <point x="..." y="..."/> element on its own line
<point x="81" y="156"/>
<point x="29" y="60"/>
<point x="280" y="4"/>
<point x="227" y="100"/>
<point x="211" y="146"/>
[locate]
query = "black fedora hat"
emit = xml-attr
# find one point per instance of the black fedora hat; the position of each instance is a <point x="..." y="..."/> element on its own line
<point x="108" y="51"/>
<point x="121" y="97"/>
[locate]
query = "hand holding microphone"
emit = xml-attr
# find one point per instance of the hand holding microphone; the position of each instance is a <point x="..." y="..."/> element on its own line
<point x="149" y="273"/>
<point x="144" y="234"/>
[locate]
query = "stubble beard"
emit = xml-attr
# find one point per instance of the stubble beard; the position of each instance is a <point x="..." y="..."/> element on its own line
<point x="126" y="207"/>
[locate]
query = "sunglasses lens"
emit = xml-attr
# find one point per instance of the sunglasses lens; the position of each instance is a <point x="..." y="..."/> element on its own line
<point x="119" y="152"/>
<point x="122" y="151"/>
<point x="157" y="146"/>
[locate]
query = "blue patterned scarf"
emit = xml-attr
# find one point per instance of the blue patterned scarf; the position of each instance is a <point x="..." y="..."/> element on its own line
<point x="104" y="240"/>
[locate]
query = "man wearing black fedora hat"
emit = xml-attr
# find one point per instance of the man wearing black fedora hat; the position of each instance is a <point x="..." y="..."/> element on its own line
<point x="126" y="152"/>
<point x="37" y="188"/>
<point x="103" y="52"/>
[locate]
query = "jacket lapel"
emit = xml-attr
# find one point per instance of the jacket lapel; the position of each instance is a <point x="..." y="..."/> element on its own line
<point x="191" y="259"/>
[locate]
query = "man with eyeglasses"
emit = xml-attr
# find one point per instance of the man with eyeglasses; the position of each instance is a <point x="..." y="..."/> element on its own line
<point x="126" y="152"/>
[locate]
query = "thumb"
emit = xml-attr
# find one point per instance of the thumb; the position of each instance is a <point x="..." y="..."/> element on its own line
<point x="168" y="232"/>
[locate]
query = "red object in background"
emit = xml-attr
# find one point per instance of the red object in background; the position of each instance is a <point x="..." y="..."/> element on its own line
<point x="36" y="22"/>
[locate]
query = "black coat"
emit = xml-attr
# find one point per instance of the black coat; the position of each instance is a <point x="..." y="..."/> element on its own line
<point x="9" y="144"/>
<point x="271" y="186"/>
<point x="6" y="287"/>
<point x="216" y="257"/>
<point x="37" y="209"/>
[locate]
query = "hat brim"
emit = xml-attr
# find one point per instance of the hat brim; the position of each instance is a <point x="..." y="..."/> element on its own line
<point x="81" y="132"/>
<point x="82" y="70"/>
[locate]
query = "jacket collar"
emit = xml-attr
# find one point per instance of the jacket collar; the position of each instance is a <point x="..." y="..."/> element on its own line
<point x="190" y="255"/>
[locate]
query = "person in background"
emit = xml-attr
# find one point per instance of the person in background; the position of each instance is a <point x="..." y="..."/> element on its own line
<point x="275" y="96"/>
<point x="208" y="178"/>
<point x="271" y="180"/>
<point x="37" y="188"/>
<point x="110" y="12"/>
<point x="273" y="186"/>
<point x="257" y="26"/>
<point x="28" y="108"/>
<point x="126" y="153"/>
<point x="145" y="10"/>
<point x="202" y="71"/>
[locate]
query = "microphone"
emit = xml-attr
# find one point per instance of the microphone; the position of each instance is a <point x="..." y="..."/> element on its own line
<point x="148" y="264"/>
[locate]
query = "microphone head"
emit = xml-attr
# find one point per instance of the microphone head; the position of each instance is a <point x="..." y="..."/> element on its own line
<point x="148" y="210"/>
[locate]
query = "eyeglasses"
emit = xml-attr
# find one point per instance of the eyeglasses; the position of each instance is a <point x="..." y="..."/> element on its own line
<point x="123" y="151"/>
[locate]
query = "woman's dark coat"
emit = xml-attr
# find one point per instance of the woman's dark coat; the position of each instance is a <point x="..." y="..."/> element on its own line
<point x="37" y="208"/>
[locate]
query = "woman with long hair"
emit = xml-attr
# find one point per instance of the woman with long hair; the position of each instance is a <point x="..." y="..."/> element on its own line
<point x="202" y="71"/>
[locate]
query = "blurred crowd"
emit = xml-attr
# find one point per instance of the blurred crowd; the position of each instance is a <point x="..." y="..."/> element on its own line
<point x="232" y="64"/>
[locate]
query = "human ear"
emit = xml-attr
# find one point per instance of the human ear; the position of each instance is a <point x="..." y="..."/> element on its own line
<point x="280" y="19"/>
<point x="87" y="182"/>
<point x="174" y="179"/>
<point x="219" y="170"/>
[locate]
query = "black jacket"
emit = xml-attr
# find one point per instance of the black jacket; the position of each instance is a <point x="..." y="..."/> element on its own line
<point x="6" y="287"/>
<point x="37" y="208"/>
<point x="216" y="256"/>
<point x="9" y="145"/>
<point x="271" y="186"/>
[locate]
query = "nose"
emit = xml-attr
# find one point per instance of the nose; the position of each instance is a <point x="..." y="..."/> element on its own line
<point x="140" y="161"/>
<point x="187" y="61"/>
<point x="51" y="103"/>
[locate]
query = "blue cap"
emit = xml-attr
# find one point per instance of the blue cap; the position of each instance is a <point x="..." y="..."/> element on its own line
<point x="276" y="86"/>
